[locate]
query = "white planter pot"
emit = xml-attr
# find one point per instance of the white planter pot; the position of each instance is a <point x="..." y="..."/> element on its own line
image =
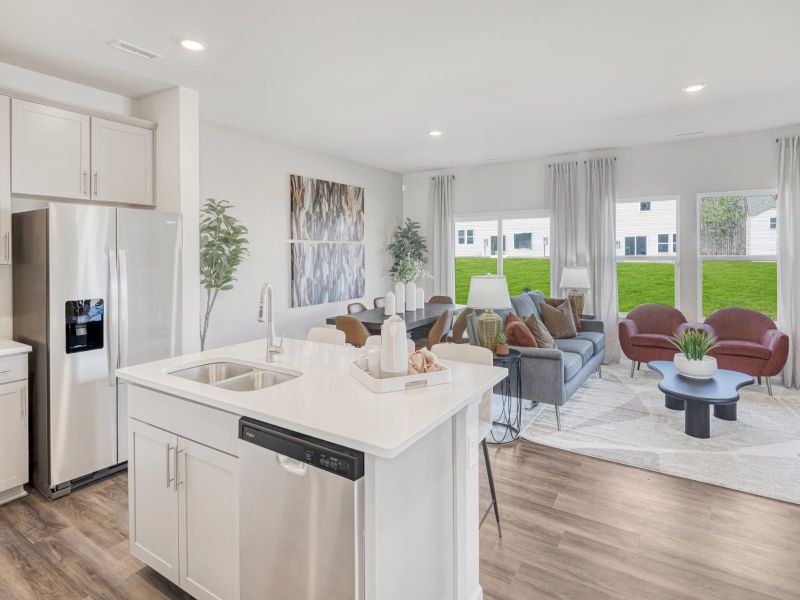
<point x="695" y="369"/>
<point x="411" y="296"/>
<point x="399" y="297"/>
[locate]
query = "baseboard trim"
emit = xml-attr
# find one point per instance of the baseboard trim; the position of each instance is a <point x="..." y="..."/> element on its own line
<point x="477" y="594"/>
<point x="12" y="494"/>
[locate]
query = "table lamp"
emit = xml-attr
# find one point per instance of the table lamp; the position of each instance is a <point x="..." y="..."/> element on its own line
<point x="576" y="279"/>
<point x="488" y="292"/>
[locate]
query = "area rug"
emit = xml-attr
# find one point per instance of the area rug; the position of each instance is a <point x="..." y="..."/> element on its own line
<point x="624" y="420"/>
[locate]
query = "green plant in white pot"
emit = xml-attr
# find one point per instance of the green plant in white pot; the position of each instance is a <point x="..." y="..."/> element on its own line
<point x="692" y="359"/>
<point x="408" y="251"/>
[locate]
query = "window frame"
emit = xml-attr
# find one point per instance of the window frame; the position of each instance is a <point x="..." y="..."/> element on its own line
<point x="746" y="258"/>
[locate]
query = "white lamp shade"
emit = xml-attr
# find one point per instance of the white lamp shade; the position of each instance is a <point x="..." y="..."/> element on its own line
<point x="575" y="277"/>
<point x="488" y="291"/>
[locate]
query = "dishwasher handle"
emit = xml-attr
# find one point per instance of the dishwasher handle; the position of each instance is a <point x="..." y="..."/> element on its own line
<point x="295" y="467"/>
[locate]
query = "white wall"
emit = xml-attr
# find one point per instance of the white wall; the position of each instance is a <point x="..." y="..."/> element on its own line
<point x="253" y="174"/>
<point x="745" y="161"/>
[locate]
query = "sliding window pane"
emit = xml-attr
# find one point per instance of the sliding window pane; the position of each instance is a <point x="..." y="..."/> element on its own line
<point x="740" y="283"/>
<point x="475" y="255"/>
<point x="526" y="258"/>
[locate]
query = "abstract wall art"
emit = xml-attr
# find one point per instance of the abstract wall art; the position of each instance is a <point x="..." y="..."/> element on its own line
<point x="326" y="211"/>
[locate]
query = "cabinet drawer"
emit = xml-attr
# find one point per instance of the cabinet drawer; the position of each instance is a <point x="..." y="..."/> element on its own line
<point x="214" y="428"/>
<point x="14" y="368"/>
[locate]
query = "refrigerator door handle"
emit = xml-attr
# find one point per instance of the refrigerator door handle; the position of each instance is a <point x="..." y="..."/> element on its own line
<point x="111" y="320"/>
<point x="123" y="308"/>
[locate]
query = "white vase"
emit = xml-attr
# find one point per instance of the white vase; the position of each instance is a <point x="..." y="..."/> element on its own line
<point x="411" y="296"/>
<point x="420" y="298"/>
<point x="399" y="298"/>
<point x="695" y="369"/>
<point x="388" y="303"/>
<point x="394" y="349"/>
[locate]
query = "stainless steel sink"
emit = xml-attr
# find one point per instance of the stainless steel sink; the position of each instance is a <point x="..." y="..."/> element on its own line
<point x="235" y="377"/>
<point x="213" y="373"/>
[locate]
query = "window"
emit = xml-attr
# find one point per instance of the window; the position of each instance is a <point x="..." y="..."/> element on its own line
<point x="522" y="241"/>
<point x="773" y="222"/>
<point x="645" y="249"/>
<point x="675" y="243"/>
<point x="461" y="236"/>
<point x="524" y="257"/>
<point x="738" y="250"/>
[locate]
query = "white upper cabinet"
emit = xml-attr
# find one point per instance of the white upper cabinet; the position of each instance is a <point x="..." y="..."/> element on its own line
<point x="49" y="151"/>
<point x="5" y="180"/>
<point x="122" y="163"/>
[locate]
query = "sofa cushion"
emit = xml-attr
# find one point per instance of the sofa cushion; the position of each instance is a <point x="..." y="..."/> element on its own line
<point x="598" y="339"/>
<point x="743" y="348"/>
<point x="559" y="320"/>
<point x="572" y="365"/>
<point x="518" y="333"/>
<point x="556" y="302"/>
<point x="583" y="348"/>
<point x="539" y="331"/>
<point x="538" y="298"/>
<point x="523" y="306"/>
<point x="652" y="340"/>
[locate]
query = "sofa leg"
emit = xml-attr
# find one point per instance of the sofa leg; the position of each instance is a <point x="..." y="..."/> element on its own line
<point x="558" y="417"/>
<point x="600" y="371"/>
<point x="633" y="367"/>
<point x="769" y="386"/>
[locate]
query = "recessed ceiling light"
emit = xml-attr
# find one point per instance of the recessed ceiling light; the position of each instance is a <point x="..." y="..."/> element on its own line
<point x="693" y="87"/>
<point x="193" y="45"/>
<point x="434" y="133"/>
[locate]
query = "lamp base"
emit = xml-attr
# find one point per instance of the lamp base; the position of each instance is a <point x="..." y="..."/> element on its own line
<point x="489" y="326"/>
<point x="578" y="298"/>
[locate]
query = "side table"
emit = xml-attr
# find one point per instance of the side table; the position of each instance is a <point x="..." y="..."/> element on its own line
<point x="510" y="417"/>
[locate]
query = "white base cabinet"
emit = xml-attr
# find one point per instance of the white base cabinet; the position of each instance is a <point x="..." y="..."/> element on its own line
<point x="13" y="427"/>
<point x="5" y="180"/>
<point x="183" y="503"/>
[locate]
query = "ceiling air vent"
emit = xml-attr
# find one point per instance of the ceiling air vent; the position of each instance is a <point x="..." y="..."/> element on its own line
<point x="131" y="49"/>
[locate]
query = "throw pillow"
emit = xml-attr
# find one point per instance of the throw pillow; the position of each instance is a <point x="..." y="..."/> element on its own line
<point x="556" y="302"/>
<point x="518" y="334"/>
<point x="559" y="321"/>
<point x="540" y="333"/>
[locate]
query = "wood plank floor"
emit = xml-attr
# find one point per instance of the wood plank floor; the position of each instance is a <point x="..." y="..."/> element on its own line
<point x="573" y="527"/>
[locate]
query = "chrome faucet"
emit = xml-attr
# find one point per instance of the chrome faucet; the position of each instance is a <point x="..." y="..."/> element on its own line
<point x="266" y="312"/>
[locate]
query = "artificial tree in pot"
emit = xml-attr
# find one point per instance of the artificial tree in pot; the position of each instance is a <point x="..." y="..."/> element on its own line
<point x="223" y="247"/>
<point x="692" y="359"/>
<point x="408" y="251"/>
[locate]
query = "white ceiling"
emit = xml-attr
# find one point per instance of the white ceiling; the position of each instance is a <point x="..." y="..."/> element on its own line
<point x="367" y="79"/>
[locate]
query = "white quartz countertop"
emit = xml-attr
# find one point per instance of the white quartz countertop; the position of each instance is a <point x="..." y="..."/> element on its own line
<point x="10" y="348"/>
<point x="325" y="401"/>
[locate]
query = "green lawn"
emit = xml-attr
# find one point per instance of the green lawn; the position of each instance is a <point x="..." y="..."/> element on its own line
<point x="725" y="283"/>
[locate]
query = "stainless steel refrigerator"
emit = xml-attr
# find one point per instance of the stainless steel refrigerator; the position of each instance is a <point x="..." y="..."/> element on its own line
<point x="95" y="288"/>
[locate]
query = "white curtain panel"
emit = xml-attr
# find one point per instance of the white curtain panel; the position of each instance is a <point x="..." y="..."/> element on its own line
<point x="601" y="201"/>
<point x="567" y="217"/>
<point x="444" y="223"/>
<point x="789" y="253"/>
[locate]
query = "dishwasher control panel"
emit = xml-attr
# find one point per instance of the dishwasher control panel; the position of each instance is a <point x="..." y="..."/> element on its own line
<point x="327" y="456"/>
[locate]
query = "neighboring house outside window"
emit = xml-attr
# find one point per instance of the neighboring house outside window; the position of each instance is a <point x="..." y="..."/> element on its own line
<point x="461" y="236"/>
<point x="644" y="206"/>
<point x="636" y="245"/>
<point x="773" y="222"/>
<point x="466" y="236"/>
<point x="523" y="241"/>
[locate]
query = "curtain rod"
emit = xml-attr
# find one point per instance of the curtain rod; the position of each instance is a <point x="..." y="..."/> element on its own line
<point x="453" y="177"/>
<point x="576" y="162"/>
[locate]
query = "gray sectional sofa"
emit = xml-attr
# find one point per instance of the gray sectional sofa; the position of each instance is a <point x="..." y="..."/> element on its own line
<point x="553" y="375"/>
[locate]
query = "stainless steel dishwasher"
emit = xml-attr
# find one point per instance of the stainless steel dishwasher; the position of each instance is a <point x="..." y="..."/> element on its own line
<point x="301" y="513"/>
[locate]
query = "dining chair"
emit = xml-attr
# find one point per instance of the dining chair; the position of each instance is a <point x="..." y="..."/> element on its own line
<point x="440" y="329"/>
<point x="379" y="302"/>
<point x="440" y="300"/>
<point x="460" y="327"/>
<point x="326" y="335"/>
<point x="355" y="307"/>
<point x="375" y="340"/>
<point x="355" y="332"/>
<point x="482" y="356"/>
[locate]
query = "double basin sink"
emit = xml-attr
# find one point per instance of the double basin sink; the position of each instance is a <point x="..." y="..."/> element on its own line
<point x="236" y="377"/>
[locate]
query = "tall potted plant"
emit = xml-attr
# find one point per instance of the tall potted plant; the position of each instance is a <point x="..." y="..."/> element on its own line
<point x="408" y="252"/>
<point x="223" y="247"/>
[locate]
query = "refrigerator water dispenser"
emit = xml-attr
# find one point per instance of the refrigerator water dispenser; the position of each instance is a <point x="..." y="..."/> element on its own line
<point x="84" y="322"/>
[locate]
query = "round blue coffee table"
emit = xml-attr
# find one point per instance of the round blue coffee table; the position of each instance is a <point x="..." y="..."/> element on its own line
<point x="697" y="396"/>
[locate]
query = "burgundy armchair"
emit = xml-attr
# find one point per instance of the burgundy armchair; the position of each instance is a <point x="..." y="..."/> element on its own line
<point x="749" y="343"/>
<point x="644" y="335"/>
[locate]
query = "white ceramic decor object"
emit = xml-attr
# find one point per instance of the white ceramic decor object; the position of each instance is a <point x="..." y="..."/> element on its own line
<point x="394" y="351"/>
<point x="374" y="362"/>
<point x="388" y="303"/>
<point x="695" y="369"/>
<point x="420" y="298"/>
<point x="411" y="296"/>
<point x="399" y="298"/>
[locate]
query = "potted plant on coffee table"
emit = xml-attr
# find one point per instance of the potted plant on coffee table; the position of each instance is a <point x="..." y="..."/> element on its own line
<point x="692" y="359"/>
<point x="501" y="349"/>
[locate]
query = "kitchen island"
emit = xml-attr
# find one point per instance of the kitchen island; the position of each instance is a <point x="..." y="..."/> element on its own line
<point x="194" y="492"/>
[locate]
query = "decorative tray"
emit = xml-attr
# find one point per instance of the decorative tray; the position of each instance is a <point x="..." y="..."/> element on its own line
<point x="399" y="384"/>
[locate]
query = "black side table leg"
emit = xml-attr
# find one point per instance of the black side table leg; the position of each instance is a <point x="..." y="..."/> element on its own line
<point x="673" y="403"/>
<point x="698" y="420"/>
<point x="726" y="412"/>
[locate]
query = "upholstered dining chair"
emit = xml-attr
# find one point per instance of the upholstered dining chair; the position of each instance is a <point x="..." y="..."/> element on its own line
<point x="460" y="327"/>
<point x="482" y="356"/>
<point x="379" y="302"/>
<point x="355" y="332"/>
<point x="375" y="340"/>
<point x="326" y="335"/>
<point x="440" y="300"/>
<point x="441" y="328"/>
<point x="355" y="307"/>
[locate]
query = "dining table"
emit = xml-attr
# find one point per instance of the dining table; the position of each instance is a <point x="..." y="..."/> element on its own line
<point x="423" y="317"/>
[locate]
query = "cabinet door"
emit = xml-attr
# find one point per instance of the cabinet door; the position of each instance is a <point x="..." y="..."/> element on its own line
<point x="49" y="151"/>
<point x="122" y="163"/>
<point x="208" y="486"/>
<point x="5" y="180"/>
<point x="153" y="498"/>
<point x="13" y="435"/>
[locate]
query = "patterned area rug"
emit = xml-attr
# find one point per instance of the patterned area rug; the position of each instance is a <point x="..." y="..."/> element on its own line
<point x="624" y="420"/>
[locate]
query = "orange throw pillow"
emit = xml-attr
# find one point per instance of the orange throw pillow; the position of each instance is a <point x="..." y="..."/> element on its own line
<point x="518" y="334"/>
<point x="556" y="302"/>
